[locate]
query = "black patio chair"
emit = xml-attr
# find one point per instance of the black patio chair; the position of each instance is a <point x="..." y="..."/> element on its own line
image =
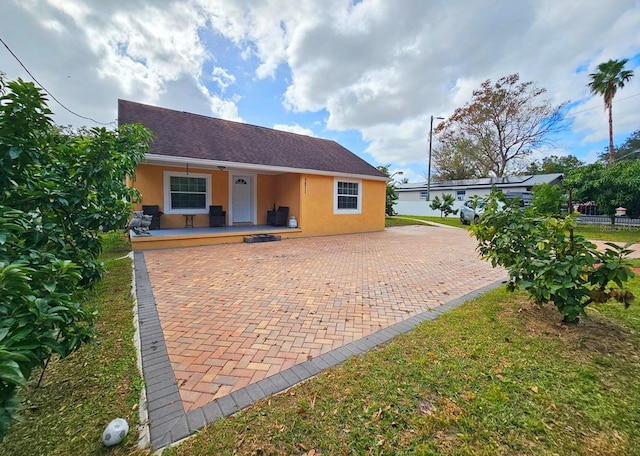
<point x="153" y="210"/>
<point x="281" y="216"/>
<point x="217" y="217"/>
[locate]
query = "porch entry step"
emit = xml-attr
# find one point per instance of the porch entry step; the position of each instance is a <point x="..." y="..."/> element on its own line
<point x="262" y="238"/>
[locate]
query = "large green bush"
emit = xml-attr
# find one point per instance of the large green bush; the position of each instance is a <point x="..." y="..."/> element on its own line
<point x="58" y="192"/>
<point x="609" y="186"/>
<point x="544" y="259"/>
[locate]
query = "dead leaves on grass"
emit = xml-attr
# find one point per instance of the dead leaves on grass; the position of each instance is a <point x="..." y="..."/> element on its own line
<point x="440" y="408"/>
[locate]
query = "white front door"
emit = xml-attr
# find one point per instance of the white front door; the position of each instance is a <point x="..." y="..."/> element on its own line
<point x="241" y="199"/>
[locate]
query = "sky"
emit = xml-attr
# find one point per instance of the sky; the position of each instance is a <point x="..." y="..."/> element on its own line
<point x="368" y="74"/>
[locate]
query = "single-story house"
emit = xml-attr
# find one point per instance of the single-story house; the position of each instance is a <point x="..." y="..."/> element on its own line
<point x="412" y="198"/>
<point x="196" y="162"/>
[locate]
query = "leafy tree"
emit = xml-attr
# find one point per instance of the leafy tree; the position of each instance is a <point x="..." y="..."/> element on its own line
<point x="457" y="160"/>
<point x="554" y="164"/>
<point x="502" y="124"/>
<point x="58" y="192"/>
<point x="445" y="206"/>
<point x="629" y="150"/>
<point x="392" y="195"/>
<point x="548" y="199"/>
<point x="609" y="77"/>
<point x="610" y="186"/>
<point x="547" y="263"/>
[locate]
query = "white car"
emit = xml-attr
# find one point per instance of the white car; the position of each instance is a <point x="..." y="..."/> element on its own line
<point x="470" y="214"/>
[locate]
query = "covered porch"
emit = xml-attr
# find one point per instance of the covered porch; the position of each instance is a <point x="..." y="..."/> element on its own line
<point x="190" y="237"/>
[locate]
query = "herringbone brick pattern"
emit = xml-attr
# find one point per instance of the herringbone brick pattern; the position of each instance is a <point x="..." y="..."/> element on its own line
<point x="236" y="313"/>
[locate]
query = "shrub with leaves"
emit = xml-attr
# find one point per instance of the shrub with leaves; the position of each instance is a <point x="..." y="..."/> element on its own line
<point x="391" y="194"/>
<point x="445" y="206"/>
<point x="58" y="192"/>
<point x="545" y="260"/>
<point x="548" y="199"/>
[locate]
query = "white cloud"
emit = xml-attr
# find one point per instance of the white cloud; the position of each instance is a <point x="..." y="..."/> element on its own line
<point x="133" y="49"/>
<point x="378" y="67"/>
<point x="223" y="78"/>
<point x="295" y="128"/>
<point x="146" y="47"/>
<point x="400" y="65"/>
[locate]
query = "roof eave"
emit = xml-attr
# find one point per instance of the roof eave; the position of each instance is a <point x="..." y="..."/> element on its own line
<point x="168" y="160"/>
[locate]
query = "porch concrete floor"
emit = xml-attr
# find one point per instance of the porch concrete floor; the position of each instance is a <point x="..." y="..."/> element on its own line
<point x="221" y="230"/>
<point x="224" y="325"/>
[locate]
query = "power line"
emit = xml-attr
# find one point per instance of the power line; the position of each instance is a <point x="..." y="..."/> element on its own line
<point x="45" y="89"/>
<point x="614" y="101"/>
<point x="624" y="157"/>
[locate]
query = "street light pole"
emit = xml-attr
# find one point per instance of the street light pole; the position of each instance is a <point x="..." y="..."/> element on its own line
<point x="429" y="169"/>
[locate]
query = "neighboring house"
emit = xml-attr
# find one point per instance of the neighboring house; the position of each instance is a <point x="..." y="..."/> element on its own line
<point x="197" y="161"/>
<point x="412" y="198"/>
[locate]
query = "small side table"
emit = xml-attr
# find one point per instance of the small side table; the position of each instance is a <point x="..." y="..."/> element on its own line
<point x="188" y="220"/>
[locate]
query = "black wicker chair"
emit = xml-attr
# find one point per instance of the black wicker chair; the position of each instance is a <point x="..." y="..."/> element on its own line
<point x="279" y="217"/>
<point x="217" y="217"/>
<point x="156" y="213"/>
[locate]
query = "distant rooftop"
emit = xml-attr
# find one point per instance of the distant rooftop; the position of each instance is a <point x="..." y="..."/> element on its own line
<point x="486" y="182"/>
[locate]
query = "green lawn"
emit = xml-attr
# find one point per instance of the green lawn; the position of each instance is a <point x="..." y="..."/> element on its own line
<point x="606" y="233"/>
<point x="403" y="220"/>
<point x="496" y="376"/>
<point x="594" y="232"/>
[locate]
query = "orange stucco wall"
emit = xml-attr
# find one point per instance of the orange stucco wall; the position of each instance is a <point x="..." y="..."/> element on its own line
<point x="149" y="181"/>
<point x="309" y="198"/>
<point x="317" y="217"/>
<point x="288" y="193"/>
<point x="265" y="196"/>
<point x="278" y="190"/>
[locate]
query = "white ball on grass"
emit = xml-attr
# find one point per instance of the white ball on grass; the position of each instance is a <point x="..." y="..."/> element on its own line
<point x="115" y="432"/>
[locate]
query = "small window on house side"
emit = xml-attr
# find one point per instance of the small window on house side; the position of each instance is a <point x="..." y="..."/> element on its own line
<point x="347" y="196"/>
<point x="423" y="195"/>
<point x="461" y="195"/>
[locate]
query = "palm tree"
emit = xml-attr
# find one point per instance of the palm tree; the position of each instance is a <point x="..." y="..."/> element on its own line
<point x="610" y="77"/>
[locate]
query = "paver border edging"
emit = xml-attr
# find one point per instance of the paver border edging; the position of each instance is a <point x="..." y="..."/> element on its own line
<point x="168" y="423"/>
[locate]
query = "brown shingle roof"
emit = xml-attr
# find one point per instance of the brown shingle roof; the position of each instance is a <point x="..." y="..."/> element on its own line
<point x="182" y="134"/>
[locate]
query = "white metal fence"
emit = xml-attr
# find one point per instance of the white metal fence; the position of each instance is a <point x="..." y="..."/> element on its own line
<point x="605" y="220"/>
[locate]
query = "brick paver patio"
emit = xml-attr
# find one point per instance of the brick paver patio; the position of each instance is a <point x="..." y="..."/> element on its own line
<point x="236" y="314"/>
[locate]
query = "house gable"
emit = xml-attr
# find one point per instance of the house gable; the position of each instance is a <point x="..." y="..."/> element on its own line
<point x="185" y="136"/>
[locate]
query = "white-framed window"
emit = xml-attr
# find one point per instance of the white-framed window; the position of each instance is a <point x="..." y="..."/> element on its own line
<point x="347" y="196"/>
<point x="423" y="194"/>
<point x="461" y="195"/>
<point x="186" y="193"/>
